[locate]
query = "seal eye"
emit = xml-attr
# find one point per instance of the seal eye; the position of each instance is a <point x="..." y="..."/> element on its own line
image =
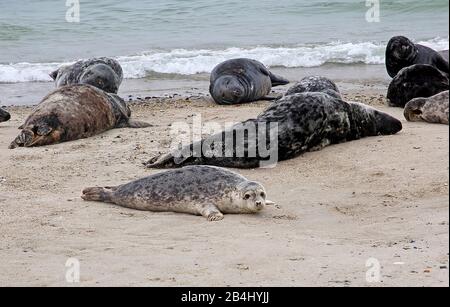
<point x="263" y="195"/>
<point x="247" y="196"/>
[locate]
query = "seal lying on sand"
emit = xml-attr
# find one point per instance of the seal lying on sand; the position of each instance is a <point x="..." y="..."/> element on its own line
<point x="305" y="122"/>
<point x="4" y="116"/>
<point x="199" y="190"/>
<point x="242" y="80"/>
<point x="432" y="110"/>
<point x="416" y="81"/>
<point x="401" y="53"/>
<point x="315" y="84"/>
<point x="74" y="112"/>
<point x="103" y="73"/>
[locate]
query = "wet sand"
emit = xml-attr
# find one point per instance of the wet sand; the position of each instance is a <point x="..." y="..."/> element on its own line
<point x="380" y="197"/>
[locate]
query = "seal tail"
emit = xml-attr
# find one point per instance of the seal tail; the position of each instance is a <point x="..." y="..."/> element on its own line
<point x="278" y="80"/>
<point x="138" y="124"/>
<point x="98" y="194"/>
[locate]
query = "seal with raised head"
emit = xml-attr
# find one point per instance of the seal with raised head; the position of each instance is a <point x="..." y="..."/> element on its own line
<point x="242" y="80"/>
<point x="402" y="52"/>
<point x="432" y="110"/>
<point x="199" y="190"/>
<point x="103" y="73"/>
<point x="4" y="116"/>
<point x="414" y="82"/>
<point x="304" y="122"/>
<point x="315" y="84"/>
<point x="74" y="112"/>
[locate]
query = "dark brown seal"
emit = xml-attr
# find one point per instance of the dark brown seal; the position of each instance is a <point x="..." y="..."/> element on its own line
<point x="74" y="112"/>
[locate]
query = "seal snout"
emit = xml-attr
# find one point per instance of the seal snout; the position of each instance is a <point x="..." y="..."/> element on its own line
<point x="4" y="116"/>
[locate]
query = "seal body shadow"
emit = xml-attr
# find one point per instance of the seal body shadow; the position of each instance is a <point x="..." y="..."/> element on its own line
<point x="198" y="190"/>
<point x="70" y="113"/>
<point x="242" y="80"/>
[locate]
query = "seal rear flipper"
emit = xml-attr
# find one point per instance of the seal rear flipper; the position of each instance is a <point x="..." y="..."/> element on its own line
<point x="97" y="194"/>
<point x="24" y="139"/>
<point x="161" y="161"/>
<point x="54" y="74"/>
<point x="277" y="80"/>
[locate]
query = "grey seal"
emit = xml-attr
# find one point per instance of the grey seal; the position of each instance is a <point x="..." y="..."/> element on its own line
<point x="402" y="52"/>
<point x="242" y="80"/>
<point x="315" y="84"/>
<point x="416" y="81"/>
<point x="103" y="73"/>
<point x="4" y="116"/>
<point x="198" y="190"/>
<point x="305" y="122"/>
<point x="432" y="110"/>
<point x="74" y="112"/>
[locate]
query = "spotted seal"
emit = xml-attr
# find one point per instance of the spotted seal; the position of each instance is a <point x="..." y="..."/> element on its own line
<point x="433" y="109"/>
<point x="303" y="122"/>
<point x="73" y="112"/>
<point x="315" y="84"/>
<point x="103" y="73"/>
<point x="242" y="80"/>
<point x="199" y="190"/>
<point x="416" y="81"/>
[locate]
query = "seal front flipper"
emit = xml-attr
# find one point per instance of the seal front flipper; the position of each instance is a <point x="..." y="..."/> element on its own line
<point x="211" y="212"/>
<point x="98" y="194"/>
<point x="277" y="80"/>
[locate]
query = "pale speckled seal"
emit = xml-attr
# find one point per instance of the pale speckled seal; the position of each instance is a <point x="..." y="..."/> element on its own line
<point x="402" y="52"/>
<point x="103" y="73"/>
<point x="432" y="110"/>
<point x="199" y="190"/>
<point x="414" y="82"/>
<point x="4" y="116"/>
<point x="242" y="80"/>
<point x="315" y="84"/>
<point x="306" y="122"/>
<point x="74" y="112"/>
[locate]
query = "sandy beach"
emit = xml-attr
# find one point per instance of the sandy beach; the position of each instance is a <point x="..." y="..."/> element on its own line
<point x="382" y="197"/>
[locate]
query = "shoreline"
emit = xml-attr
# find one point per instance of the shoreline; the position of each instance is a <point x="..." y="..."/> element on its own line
<point x="348" y="77"/>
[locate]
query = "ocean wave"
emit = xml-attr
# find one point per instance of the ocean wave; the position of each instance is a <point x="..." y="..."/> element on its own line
<point x="190" y="62"/>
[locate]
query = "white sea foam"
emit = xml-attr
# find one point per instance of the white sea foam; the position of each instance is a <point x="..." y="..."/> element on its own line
<point x="189" y="62"/>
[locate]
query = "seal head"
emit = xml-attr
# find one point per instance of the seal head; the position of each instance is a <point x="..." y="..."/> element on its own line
<point x="4" y="116"/>
<point x="101" y="76"/>
<point x="433" y="110"/>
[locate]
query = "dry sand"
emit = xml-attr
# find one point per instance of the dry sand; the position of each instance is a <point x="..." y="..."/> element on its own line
<point x="381" y="197"/>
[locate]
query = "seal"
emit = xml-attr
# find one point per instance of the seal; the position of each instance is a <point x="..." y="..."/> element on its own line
<point x="432" y="110"/>
<point x="242" y="80"/>
<point x="414" y="82"/>
<point x="315" y="84"/>
<point x="4" y="116"/>
<point x="74" y="112"/>
<point x="103" y="73"/>
<point x="198" y="190"/>
<point x="304" y="122"/>
<point x="402" y="52"/>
